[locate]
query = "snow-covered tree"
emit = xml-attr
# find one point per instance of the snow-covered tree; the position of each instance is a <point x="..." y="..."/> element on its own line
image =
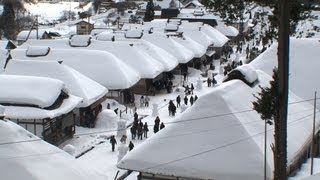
<point x="149" y="15"/>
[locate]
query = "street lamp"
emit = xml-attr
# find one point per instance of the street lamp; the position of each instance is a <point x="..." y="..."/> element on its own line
<point x="269" y="122"/>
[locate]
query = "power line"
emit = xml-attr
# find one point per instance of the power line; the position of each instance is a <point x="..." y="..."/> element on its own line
<point x="291" y="123"/>
<point x="216" y="148"/>
<point x="174" y="122"/>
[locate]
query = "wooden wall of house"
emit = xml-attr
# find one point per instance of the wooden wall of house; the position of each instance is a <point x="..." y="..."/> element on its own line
<point x="88" y="115"/>
<point x="54" y="131"/>
<point x="141" y="87"/>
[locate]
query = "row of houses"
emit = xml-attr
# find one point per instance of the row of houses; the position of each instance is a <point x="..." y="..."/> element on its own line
<point x="112" y="64"/>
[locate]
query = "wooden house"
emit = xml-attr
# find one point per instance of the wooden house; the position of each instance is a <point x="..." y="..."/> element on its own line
<point x="84" y="27"/>
<point x="40" y="105"/>
<point x="91" y="92"/>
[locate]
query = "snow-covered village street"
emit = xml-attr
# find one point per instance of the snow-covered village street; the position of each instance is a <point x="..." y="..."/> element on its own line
<point x="96" y="92"/>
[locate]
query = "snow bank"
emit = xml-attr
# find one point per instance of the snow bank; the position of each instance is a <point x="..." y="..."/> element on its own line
<point x="80" y="40"/>
<point x="76" y="83"/>
<point x="134" y="34"/>
<point x="34" y="51"/>
<point x="38" y="91"/>
<point x="107" y="119"/>
<point x="37" y="160"/>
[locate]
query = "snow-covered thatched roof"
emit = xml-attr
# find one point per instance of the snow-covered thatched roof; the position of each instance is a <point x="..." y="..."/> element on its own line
<point x="227" y="30"/>
<point x="132" y="58"/>
<point x="183" y="54"/>
<point x="195" y="33"/>
<point x="100" y="66"/>
<point x="218" y="38"/>
<point x="198" y="49"/>
<point x="29" y="90"/>
<point x="37" y="160"/>
<point x="77" y="84"/>
<point x="220" y="137"/>
<point x="304" y="65"/>
<point x="168" y="61"/>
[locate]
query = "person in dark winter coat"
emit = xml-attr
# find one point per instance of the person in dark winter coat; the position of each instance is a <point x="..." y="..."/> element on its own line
<point x="185" y="100"/>
<point x="141" y="123"/>
<point x="192" y="88"/>
<point x="133" y="131"/>
<point x="214" y="81"/>
<point x="172" y="108"/>
<point x="191" y="100"/>
<point x="178" y="99"/>
<point x="113" y="142"/>
<point x="140" y="132"/>
<point x="162" y="126"/>
<point x="209" y="81"/>
<point x="135" y="115"/>
<point x="131" y="146"/>
<point x="195" y="98"/>
<point x="156" y="124"/>
<point x="145" y="130"/>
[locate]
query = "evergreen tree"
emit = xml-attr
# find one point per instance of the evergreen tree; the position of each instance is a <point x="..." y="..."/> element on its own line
<point x="266" y="101"/>
<point x="149" y="15"/>
<point x="8" y="25"/>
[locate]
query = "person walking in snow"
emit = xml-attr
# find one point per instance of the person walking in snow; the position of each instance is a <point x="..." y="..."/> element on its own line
<point x="192" y="88"/>
<point x="214" y="81"/>
<point x="172" y="108"/>
<point x="135" y="115"/>
<point x="195" y="98"/>
<point x="146" y="101"/>
<point x="162" y="125"/>
<point x="113" y="142"/>
<point x="141" y="101"/>
<point x="209" y="81"/>
<point x="140" y="132"/>
<point x="156" y="124"/>
<point x="145" y="130"/>
<point x="133" y="131"/>
<point x="178" y="99"/>
<point x="123" y="139"/>
<point x="191" y="100"/>
<point x="131" y="146"/>
<point x="185" y="100"/>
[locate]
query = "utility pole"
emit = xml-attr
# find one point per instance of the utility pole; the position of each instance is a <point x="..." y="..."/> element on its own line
<point x="313" y="130"/>
<point x="37" y="26"/>
<point x="280" y="146"/>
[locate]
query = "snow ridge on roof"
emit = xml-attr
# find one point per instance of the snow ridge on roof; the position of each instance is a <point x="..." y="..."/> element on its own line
<point x="30" y="90"/>
<point x="76" y="83"/>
